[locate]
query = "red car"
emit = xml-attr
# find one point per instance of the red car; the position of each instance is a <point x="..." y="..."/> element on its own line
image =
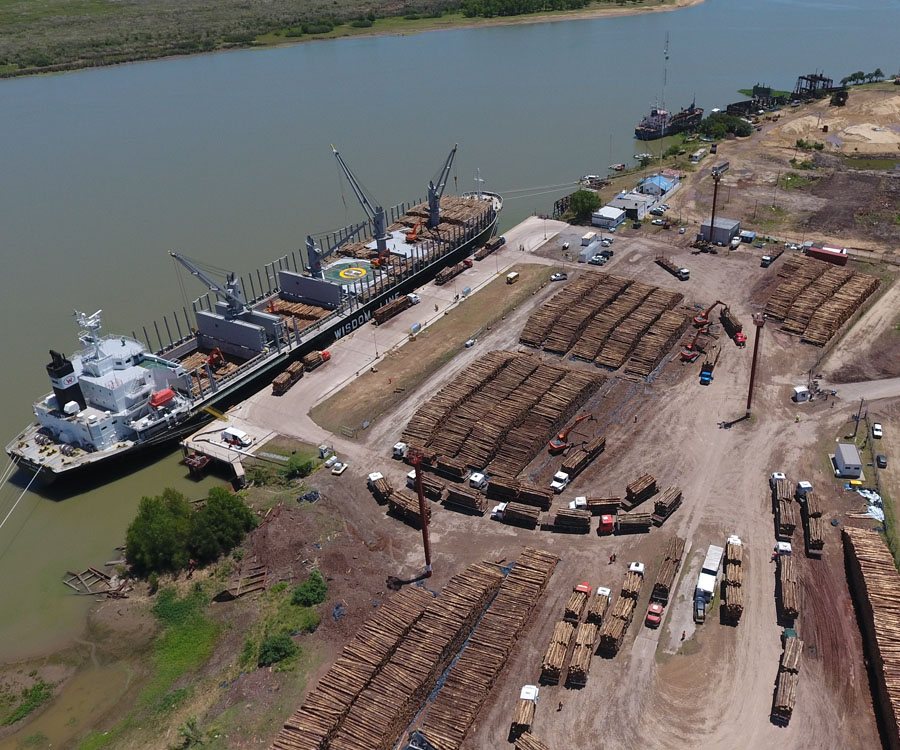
<point x="654" y="615"/>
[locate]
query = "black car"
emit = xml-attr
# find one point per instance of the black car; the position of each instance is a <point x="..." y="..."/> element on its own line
<point x="606" y="253"/>
<point x="881" y="461"/>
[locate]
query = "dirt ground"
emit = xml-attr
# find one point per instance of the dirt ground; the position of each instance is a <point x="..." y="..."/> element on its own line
<point x="841" y="201"/>
<point x="715" y="689"/>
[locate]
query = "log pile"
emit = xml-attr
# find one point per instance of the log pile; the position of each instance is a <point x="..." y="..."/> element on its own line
<point x="580" y="664"/>
<point x="406" y="507"/>
<point x="523" y="717"/>
<point x="624" y="608"/>
<point x="382" y="489"/>
<point x="813" y="505"/>
<point x="503" y="489"/>
<point x="452" y="468"/>
<point x="790" y="658"/>
<point x="783" y="491"/>
<point x="432" y="489"/>
<point x="734" y="553"/>
<point x="640" y="489"/>
<point x="544" y="319"/>
<point x="527" y="741"/>
<point x="597" y="610"/>
<point x="575" y="462"/>
<point x="633" y="523"/>
<point x="734" y="574"/>
<point x="555" y="656"/>
<point x="471" y="678"/>
<point x="526" y="516"/>
<point x="835" y="311"/>
<point x="573" y="521"/>
<point x="632" y="586"/>
<point x="798" y="276"/>
<point x="665" y="579"/>
<point x="613" y="630"/>
<point x="467" y="499"/>
<point x="313" y="724"/>
<point x="571" y="327"/>
<point x="532" y="495"/>
<point x="656" y="342"/>
<point x="734" y="601"/>
<point x="785" y="695"/>
<point x="446" y="274"/>
<point x="789" y="583"/>
<point x="575" y="606"/>
<point x="875" y="585"/>
<point x="812" y="298"/>
<point x="392" y="308"/>
<point x="787" y="518"/>
<point x="730" y="322"/>
<point x="815" y="534"/>
<point x="596" y="446"/>
<point x="599" y="506"/>
<point x="628" y="325"/>
<point x="387" y="705"/>
<point x="670" y="265"/>
<point x="298" y="310"/>
<point x="667" y="502"/>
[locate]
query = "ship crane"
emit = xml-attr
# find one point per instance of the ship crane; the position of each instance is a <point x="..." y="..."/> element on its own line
<point x="436" y="190"/>
<point x="232" y="293"/>
<point x="375" y="213"/>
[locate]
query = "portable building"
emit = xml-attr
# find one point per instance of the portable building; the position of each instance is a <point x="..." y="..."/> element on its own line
<point x="588" y="238"/>
<point x="801" y="394"/>
<point x="847" y="461"/>
<point x="748" y="236"/>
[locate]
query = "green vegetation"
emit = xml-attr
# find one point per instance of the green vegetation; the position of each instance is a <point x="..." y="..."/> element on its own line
<point x="276" y="648"/>
<point x="311" y="592"/>
<point x="794" y="181"/>
<point x="299" y="461"/>
<point x="718" y="124"/>
<point x="584" y="203"/>
<point x="167" y="533"/>
<point x="190" y="733"/>
<point x="860" y="77"/>
<point x="32" y="697"/>
<point x="808" y="164"/>
<point x="805" y="145"/>
<point x="491" y="8"/>
<point x="868" y="162"/>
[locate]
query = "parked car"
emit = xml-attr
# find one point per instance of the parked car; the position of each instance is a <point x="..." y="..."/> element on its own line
<point x="758" y="244"/>
<point x="636" y="225"/>
<point x="597" y="260"/>
<point x="881" y="461"/>
<point x="606" y="242"/>
<point x="658" y="222"/>
<point x="876" y="430"/>
<point x="657" y="211"/>
<point x="664" y="206"/>
<point x="559" y="277"/>
<point x="565" y="246"/>
<point x="608" y="253"/>
<point x="682" y="230"/>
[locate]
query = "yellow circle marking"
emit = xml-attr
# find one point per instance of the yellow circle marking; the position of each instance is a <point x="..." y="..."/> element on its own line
<point x="352" y="273"/>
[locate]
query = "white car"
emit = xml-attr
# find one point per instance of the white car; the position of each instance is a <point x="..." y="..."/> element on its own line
<point x="876" y="430"/>
<point x="682" y="230"/>
<point x="658" y="223"/>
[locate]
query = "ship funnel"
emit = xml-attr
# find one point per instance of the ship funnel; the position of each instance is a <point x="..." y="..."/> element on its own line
<point x="64" y="381"/>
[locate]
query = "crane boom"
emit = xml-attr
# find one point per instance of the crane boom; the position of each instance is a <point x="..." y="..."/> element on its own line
<point x="375" y="213"/>
<point x="436" y="189"/>
<point x="231" y="291"/>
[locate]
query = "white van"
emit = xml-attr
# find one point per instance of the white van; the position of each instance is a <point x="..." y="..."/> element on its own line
<point x="234" y="436"/>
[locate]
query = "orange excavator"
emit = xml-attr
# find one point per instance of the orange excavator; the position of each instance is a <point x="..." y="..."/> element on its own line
<point x="702" y="320"/>
<point x="560" y="443"/>
<point x="692" y="350"/>
<point x="216" y="359"/>
<point x="413" y="234"/>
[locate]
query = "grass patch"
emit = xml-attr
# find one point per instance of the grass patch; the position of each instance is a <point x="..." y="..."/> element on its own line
<point x="870" y="162"/>
<point x="794" y="181"/>
<point x="417" y="360"/>
<point x="32" y="698"/>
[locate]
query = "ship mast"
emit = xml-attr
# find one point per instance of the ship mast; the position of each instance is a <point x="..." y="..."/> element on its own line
<point x="665" y="71"/>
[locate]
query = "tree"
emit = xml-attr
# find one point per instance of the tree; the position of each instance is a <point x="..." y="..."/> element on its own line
<point x="878" y="74"/>
<point x="219" y="526"/>
<point x="276" y="648"/>
<point x="156" y="541"/>
<point x="584" y="203"/>
<point x="311" y="592"/>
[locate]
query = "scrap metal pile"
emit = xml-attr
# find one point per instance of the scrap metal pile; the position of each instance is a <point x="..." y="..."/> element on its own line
<point x="469" y="682"/>
<point x="499" y="412"/>
<point x="606" y="319"/>
<point x="816" y="298"/>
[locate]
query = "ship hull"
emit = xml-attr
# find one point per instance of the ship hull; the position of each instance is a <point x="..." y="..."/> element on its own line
<point x="678" y="124"/>
<point x="241" y="388"/>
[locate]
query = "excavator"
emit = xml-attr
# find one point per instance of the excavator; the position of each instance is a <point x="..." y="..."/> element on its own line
<point x="692" y="350"/>
<point x="216" y="359"/>
<point x="560" y="443"/>
<point x="413" y="234"/>
<point x="702" y="319"/>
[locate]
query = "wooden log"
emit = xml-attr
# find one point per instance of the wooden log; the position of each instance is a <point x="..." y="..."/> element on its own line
<point x="528" y="741"/>
<point x="793" y="652"/>
<point x="785" y="694"/>
<point x="633" y="583"/>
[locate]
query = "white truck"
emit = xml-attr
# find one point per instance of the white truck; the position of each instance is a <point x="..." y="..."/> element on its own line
<point x="528" y="698"/>
<point x="236" y="437"/>
<point x="400" y="450"/>
<point x="579" y="503"/>
<point x="707" y="582"/>
<point x="478" y="481"/>
<point x="372" y="478"/>
<point x="497" y="511"/>
<point x="560" y="481"/>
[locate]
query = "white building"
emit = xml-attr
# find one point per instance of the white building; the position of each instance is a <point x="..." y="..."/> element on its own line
<point x="608" y="217"/>
<point x="657" y="185"/>
<point x="634" y="204"/>
<point x="847" y="461"/>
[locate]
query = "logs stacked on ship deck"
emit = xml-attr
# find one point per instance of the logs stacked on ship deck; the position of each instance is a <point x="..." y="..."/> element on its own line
<point x="313" y="724"/>
<point x="640" y="489"/>
<point x="654" y="344"/>
<point x="470" y="679"/>
<point x="816" y="297"/>
<point x="527" y="741"/>
<point x="386" y="706"/>
<point x="875" y="586"/>
<point x="789" y="583"/>
<point x="580" y="664"/>
<point x="406" y="508"/>
<point x="555" y="656"/>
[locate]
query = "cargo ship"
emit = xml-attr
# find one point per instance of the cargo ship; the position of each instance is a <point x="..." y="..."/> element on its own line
<point x="660" y="122"/>
<point x="119" y="394"/>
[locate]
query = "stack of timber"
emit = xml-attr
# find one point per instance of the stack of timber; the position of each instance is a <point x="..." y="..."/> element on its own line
<point x="787" y="518"/>
<point x="790" y="657"/>
<point x="783" y="490"/>
<point x="406" y="508"/>
<point x="597" y="610"/>
<point x="452" y="468"/>
<point x="555" y="656"/>
<point x="613" y="630"/>
<point x="467" y="499"/>
<point x="670" y="265"/>
<point x="446" y="274"/>
<point x="808" y="302"/>
<point x="789" y="584"/>
<point x="595" y="446"/>
<point x="815" y="535"/>
<point x="665" y="580"/>
<point x="543" y="320"/>
<point x="626" y="336"/>
<point x="599" y="506"/>
<point x="730" y="322"/>
<point x="734" y="574"/>
<point x="875" y="586"/>
<point x="813" y="505"/>
<point x="382" y="489"/>
<point x="432" y="489"/>
<point x="503" y="488"/>
<point x="606" y="317"/>
<point x="640" y="489"/>
<point x="532" y="495"/>
<point x="785" y="695"/>
<point x="734" y="601"/>
<point x="523" y="717"/>
<point x="624" y="608"/>
<point x="580" y="664"/>
<point x="734" y="553"/>
<point x="392" y="308"/>
<point x="734" y="578"/>
<point x="433" y="413"/>
<point x="575" y="462"/>
<point x="527" y="741"/>
<point x="526" y="516"/>
<point x="313" y="725"/>
<point x="625" y="329"/>
<point x="283" y="382"/>
<point x="798" y="276"/>
<point x="633" y="523"/>
<point x="470" y="679"/>
<point x="835" y="311"/>
<point x="575" y="606"/>
<point x="573" y="326"/>
<point x="656" y="342"/>
<point x="631" y="588"/>
<point x="666" y="504"/>
<point x="387" y="705"/>
<point x="572" y="520"/>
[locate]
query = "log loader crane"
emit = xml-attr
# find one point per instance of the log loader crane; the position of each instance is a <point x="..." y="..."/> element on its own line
<point x="702" y="320"/>
<point x="560" y="443"/>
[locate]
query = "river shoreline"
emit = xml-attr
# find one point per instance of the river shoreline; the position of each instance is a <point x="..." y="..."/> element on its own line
<point x="271" y="41"/>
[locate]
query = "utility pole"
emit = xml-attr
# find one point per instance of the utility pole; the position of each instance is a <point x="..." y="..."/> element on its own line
<point x="759" y="320"/>
<point x="858" y="416"/>
<point x="717" y="173"/>
<point x="415" y="457"/>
